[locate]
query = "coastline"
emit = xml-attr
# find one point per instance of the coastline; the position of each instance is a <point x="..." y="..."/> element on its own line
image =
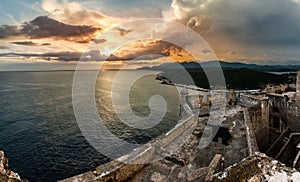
<point x="127" y="165"/>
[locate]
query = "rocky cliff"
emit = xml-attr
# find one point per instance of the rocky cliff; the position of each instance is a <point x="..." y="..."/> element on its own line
<point x="7" y="175"/>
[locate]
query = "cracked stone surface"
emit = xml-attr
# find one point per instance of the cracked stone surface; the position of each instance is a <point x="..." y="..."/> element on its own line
<point x="196" y="160"/>
<point x="258" y="168"/>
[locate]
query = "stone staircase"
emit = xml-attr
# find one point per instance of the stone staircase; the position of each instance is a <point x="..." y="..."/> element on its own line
<point x="277" y="146"/>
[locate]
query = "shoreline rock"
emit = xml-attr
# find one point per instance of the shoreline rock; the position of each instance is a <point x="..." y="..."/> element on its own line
<point x="7" y="175"/>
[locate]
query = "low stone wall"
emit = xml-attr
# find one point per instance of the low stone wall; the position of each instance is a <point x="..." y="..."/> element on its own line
<point x="176" y="131"/>
<point x="289" y="111"/>
<point x="137" y="159"/>
<point x="257" y="168"/>
<point x="214" y="167"/>
<point x="248" y="100"/>
<point x="251" y="138"/>
<point x="260" y="126"/>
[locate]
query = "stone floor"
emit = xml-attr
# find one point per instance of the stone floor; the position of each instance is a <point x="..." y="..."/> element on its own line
<point x="258" y="168"/>
<point x="236" y="149"/>
<point x="190" y="163"/>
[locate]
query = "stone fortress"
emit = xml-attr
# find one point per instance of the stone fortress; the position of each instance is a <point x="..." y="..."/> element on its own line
<point x="258" y="140"/>
<point x="275" y="121"/>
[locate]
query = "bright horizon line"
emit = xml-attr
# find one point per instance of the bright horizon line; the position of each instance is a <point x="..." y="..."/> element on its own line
<point x="71" y="66"/>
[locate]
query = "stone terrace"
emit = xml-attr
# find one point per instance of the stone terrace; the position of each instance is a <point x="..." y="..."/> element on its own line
<point x="192" y="164"/>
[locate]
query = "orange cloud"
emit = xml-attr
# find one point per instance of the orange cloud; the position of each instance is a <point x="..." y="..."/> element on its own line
<point x="151" y="49"/>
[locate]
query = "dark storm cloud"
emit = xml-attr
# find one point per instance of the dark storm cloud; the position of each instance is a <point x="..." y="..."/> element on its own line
<point x="8" y="31"/>
<point x="274" y="29"/>
<point x="268" y="22"/>
<point x="45" y="27"/>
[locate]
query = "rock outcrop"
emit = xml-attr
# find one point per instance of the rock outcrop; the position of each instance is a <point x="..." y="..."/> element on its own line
<point x="258" y="168"/>
<point x="7" y="175"/>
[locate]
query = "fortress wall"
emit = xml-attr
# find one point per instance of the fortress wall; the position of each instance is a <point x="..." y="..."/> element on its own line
<point x="177" y="131"/>
<point x="293" y="115"/>
<point x="117" y="171"/>
<point x="248" y="100"/>
<point x="259" y="121"/>
<point x="256" y="116"/>
<point x="287" y="112"/>
<point x="289" y="151"/>
<point x="251" y="138"/>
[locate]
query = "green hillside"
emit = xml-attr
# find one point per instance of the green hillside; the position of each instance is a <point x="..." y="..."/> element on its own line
<point x="238" y="78"/>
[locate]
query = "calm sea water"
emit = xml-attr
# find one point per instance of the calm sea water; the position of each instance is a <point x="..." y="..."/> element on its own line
<point x="39" y="133"/>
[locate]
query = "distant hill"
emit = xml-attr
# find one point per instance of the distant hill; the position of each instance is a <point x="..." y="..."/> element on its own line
<point x="236" y="78"/>
<point x="187" y="65"/>
<point x="237" y="75"/>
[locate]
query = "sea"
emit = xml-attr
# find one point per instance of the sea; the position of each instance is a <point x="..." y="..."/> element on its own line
<point x="39" y="132"/>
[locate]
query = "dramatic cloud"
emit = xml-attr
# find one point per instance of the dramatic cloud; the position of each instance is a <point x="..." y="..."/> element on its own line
<point x="9" y="31"/>
<point x="74" y="13"/>
<point x="140" y="50"/>
<point x="240" y="30"/>
<point x="43" y="27"/>
<point x="148" y="49"/>
<point x="267" y="22"/>
<point x="26" y="43"/>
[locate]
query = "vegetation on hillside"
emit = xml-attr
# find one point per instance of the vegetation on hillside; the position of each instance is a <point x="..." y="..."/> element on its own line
<point x="238" y="78"/>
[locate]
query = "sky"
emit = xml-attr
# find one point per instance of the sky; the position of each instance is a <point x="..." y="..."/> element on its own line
<point x="57" y="33"/>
